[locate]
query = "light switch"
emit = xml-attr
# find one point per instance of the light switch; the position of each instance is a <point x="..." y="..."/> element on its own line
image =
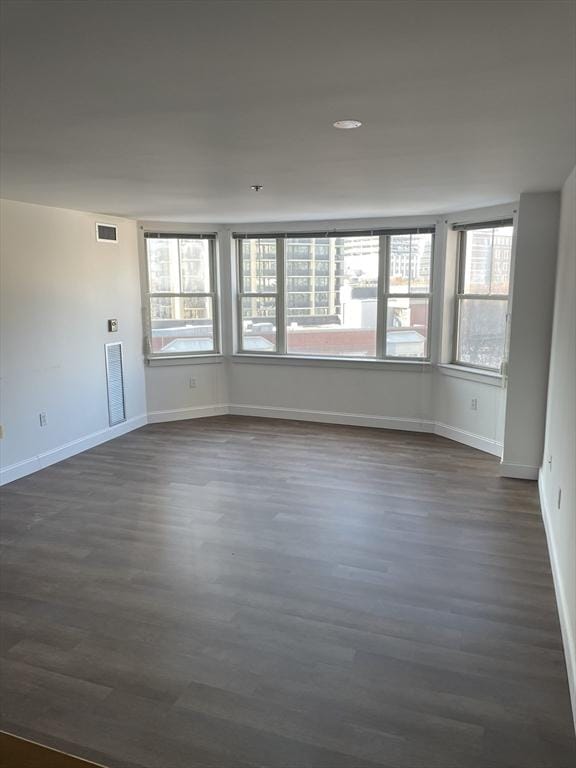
<point x="112" y="326"/>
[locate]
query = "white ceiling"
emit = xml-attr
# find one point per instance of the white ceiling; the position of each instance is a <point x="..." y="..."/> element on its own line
<point x="172" y="109"/>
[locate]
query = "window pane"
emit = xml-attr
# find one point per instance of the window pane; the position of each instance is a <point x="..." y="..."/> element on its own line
<point x="409" y="262"/>
<point x="195" y="265"/>
<point x="487" y="260"/>
<point x="259" y="324"/>
<point x="331" y="296"/>
<point x="258" y="264"/>
<point x="178" y="265"/>
<point x="163" y="265"/>
<point x="407" y="327"/>
<point x="182" y="324"/>
<point x="501" y="257"/>
<point x="482" y="332"/>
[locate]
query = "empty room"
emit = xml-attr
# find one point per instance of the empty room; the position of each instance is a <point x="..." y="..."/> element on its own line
<point x="288" y="384"/>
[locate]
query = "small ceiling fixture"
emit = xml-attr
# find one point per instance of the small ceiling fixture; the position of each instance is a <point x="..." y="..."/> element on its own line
<point x="256" y="187"/>
<point x="347" y="124"/>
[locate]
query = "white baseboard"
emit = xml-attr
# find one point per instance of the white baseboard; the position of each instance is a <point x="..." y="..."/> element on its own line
<point x="182" y="414"/>
<point x="362" y="420"/>
<point x="332" y="417"/>
<point x="469" y="438"/>
<point x="15" y="471"/>
<point x="53" y="456"/>
<point x="568" y="640"/>
<point x="518" y="471"/>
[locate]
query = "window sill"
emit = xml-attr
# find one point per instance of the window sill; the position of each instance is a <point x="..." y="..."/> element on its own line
<point x="155" y="362"/>
<point x="470" y="374"/>
<point x="332" y="362"/>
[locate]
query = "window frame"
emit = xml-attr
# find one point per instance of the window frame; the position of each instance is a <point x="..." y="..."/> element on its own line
<point x="406" y="295"/>
<point x="383" y="296"/>
<point x="241" y="294"/>
<point x="213" y="294"/>
<point x="461" y="295"/>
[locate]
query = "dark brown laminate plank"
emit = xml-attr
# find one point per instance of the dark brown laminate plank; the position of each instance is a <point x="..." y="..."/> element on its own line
<point x="235" y="592"/>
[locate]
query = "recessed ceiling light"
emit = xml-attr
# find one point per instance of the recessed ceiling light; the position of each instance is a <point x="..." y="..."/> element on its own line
<point x="256" y="187"/>
<point x="347" y="124"/>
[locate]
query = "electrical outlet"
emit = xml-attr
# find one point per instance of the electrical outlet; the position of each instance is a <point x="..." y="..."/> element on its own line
<point x="43" y="418"/>
<point x="550" y="462"/>
<point x="559" y="497"/>
<point x="474" y="404"/>
<point x="193" y="384"/>
<point x="1" y="431"/>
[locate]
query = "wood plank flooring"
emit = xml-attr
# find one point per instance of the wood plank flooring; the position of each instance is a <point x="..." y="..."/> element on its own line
<point x="233" y="592"/>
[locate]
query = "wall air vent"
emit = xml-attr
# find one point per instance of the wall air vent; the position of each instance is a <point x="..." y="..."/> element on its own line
<point x="115" y="382"/>
<point x="106" y="233"/>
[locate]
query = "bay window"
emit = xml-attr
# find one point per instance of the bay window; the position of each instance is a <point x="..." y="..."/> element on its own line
<point x="339" y="295"/>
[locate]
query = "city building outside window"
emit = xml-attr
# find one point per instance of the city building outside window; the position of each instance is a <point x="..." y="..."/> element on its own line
<point x="482" y="295"/>
<point x="181" y="311"/>
<point x="364" y="295"/>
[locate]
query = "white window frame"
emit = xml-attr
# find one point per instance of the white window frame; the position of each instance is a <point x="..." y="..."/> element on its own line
<point x="212" y="294"/>
<point x="462" y="295"/>
<point x="383" y="295"/>
<point x="386" y="261"/>
<point x="277" y="295"/>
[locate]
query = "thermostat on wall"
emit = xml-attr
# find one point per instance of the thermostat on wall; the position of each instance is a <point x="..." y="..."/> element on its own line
<point x="112" y="326"/>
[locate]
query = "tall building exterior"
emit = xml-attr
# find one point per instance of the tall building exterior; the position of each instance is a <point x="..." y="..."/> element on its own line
<point x="488" y="262"/>
<point x="314" y="275"/>
<point x="324" y="273"/>
<point x="178" y="266"/>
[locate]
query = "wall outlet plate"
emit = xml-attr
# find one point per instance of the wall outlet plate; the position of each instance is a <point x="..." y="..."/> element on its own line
<point x="112" y="325"/>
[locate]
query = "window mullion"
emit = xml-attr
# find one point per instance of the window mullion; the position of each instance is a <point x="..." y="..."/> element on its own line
<point x="214" y="304"/>
<point x="280" y="296"/>
<point x="382" y="296"/>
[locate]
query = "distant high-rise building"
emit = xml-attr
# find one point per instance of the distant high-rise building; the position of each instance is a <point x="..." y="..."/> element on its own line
<point x="488" y="264"/>
<point x="314" y="272"/>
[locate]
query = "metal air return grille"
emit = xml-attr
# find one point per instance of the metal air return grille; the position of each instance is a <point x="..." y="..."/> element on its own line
<point x="106" y="233"/>
<point x="115" y="382"/>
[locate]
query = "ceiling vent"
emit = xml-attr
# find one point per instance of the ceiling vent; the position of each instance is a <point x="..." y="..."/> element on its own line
<point x="106" y="233"/>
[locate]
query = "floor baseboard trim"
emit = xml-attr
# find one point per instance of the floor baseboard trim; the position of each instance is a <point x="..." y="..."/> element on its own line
<point x="53" y="456"/>
<point x="43" y="460"/>
<point x="518" y="471"/>
<point x="568" y="641"/>
<point x="182" y="414"/>
<point x="332" y="417"/>
<point x="469" y="438"/>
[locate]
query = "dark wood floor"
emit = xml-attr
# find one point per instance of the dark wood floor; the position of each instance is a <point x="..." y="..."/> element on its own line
<point x="237" y="592"/>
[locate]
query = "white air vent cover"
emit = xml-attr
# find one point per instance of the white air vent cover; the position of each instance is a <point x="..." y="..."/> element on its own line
<point x="115" y="382"/>
<point x="106" y="233"/>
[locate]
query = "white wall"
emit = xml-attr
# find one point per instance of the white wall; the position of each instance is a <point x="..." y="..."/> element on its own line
<point x="532" y="309"/>
<point x="350" y="395"/>
<point x="455" y="417"/>
<point x="58" y="288"/>
<point x="559" y="466"/>
<point x="172" y="395"/>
